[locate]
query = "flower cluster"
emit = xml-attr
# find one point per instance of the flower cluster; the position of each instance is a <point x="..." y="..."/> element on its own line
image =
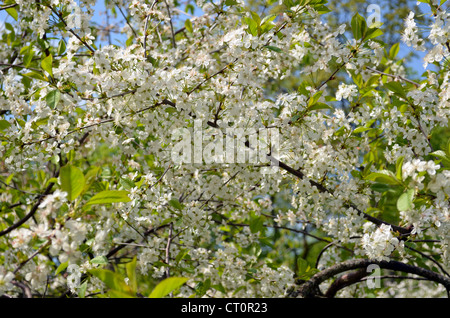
<point x="89" y="130"/>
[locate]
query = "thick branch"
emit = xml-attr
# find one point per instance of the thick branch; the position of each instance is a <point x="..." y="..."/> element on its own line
<point x="311" y="287"/>
<point x="345" y="281"/>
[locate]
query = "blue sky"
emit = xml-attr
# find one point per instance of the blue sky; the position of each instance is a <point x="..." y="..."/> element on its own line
<point x="100" y="18"/>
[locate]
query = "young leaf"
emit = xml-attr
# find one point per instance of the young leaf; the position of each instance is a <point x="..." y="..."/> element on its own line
<point x="109" y="196"/>
<point x="188" y="25"/>
<point x="61" y="47"/>
<point x="4" y="124"/>
<point x="397" y="88"/>
<point x="47" y="63"/>
<point x="394" y="51"/>
<point x="167" y="286"/>
<point x="72" y="181"/>
<point x="82" y="290"/>
<point x="383" y="176"/>
<point x="36" y="75"/>
<point x="176" y="204"/>
<point x="405" y="201"/>
<point x="398" y="168"/>
<point x="61" y="267"/>
<point x="373" y="33"/>
<point x="99" y="260"/>
<point x="131" y="273"/>
<point x="359" y="26"/>
<point x="53" y="98"/>
<point x="12" y="12"/>
<point x="256" y="224"/>
<point x="252" y="26"/>
<point x="113" y="280"/>
<point x="28" y="57"/>
<point x="274" y="48"/>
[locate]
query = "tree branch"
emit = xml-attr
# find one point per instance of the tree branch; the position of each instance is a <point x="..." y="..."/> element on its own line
<point x="394" y="76"/>
<point x="311" y="288"/>
<point x="32" y="211"/>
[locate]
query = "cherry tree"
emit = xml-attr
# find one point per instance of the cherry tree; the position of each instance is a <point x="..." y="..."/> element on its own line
<point x="213" y="151"/>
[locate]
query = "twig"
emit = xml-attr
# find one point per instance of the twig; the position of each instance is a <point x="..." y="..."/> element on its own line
<point x="22" y="264"/>
<point x="211" y="76"/>
<point x="169" y="241"/>
<point x="394" y="76"/>
<point x="71" y="31"/>
<point x="126" y="20"/>
<point x="20" y="66"/>
<point x="160" y="178"/>
<point x="32" y="211"/>
<point x="164" y="102"/>
<point x="428" y="257"/>
<point x="26" y="290"/>
<point x="15" y="188"/>
<point x="145" y="35"/>
<point x="171" y="25"/>
<point x="8" y="6"/>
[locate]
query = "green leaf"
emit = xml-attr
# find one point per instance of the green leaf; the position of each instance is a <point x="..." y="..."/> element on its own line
<point x="188" y="26"/>
<point x="361" y="129"/>
<point x="252" y="26"/>
<point x="126" y="183"/>
<point x="256" y="224"/>
<point x="113" y="280"/>
<point x="304" y="269"/>
<point x="90" y="177"/>
<point x="383" y="176"/>
<point x="35" y="75"/>
<point x="380" y="187"/>
<point x="167" y="286"/>
<point x="72" y="181"/>
<point x="268" y="19"/>
<point x="28" y="57"/>
<point x="274" y="48"/>
<point x="131" y="273"/>
<point x="53" y="98"/>
<point x="176" y="204"/>
<point x="302" y="265"/>
<point x="373" y="33"/>
<point x="99" y="260"/>
<point x="256" y="17"/>
<point x="398" y="168"/>
<point x="82" y="290"/>
<point x="440" y="154"/>
<point x="359" y="26"/>
<point x="397" y="88"/>
<point x="129" y="41"/>
<point x="118" y="294"/>
<point x="4" y="124"/>
<point x="46" y="64"/>
<point x="220" y="288"/>
<point x="315" y="98"/>
<point x="109" y="196"/>
<point x="443" y="156"/>
<point x="405" y="201"/>
<point x="61" y="267"/>
<point x="61" y="47"/>
<point x="394" y="51"/>
<point x="318" y="106"/>
<point x="12" y="12"/>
